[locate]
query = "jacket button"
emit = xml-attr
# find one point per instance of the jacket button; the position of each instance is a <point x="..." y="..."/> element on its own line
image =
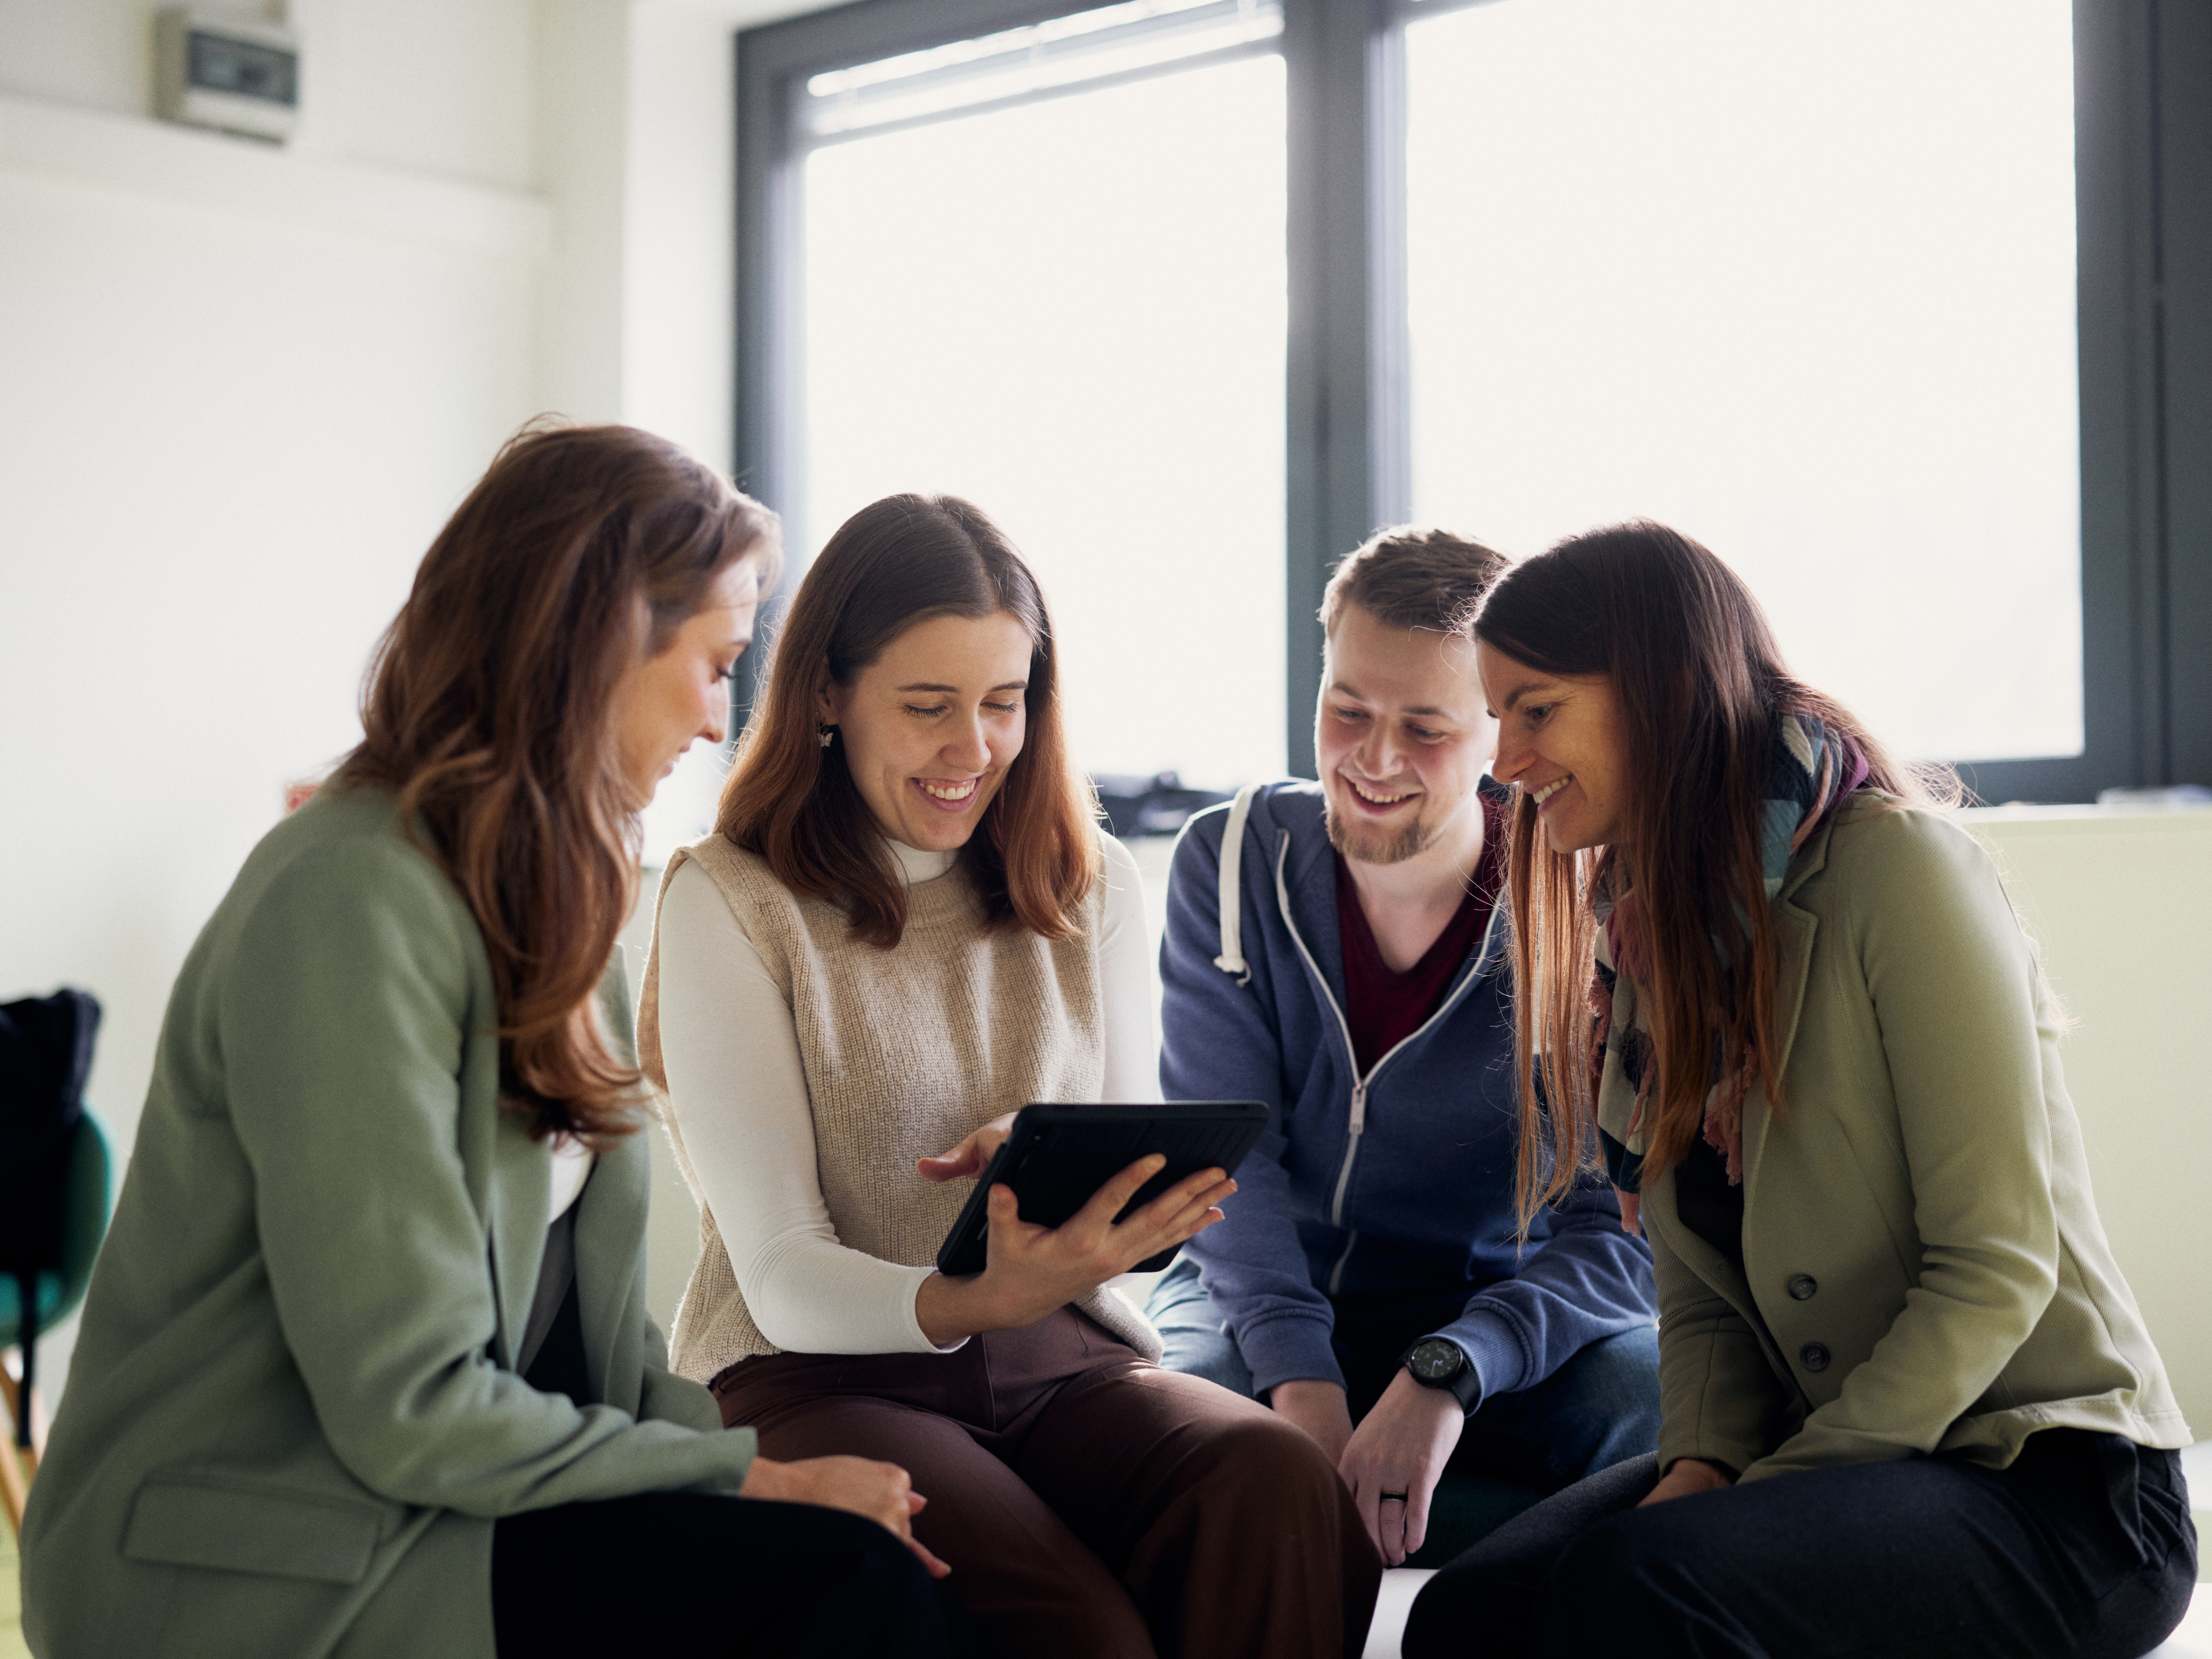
<point x="1814" y="1357"/>
<point x="1802" y="1285"/>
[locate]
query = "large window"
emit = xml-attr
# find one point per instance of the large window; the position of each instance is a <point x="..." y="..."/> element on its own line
<point x="1044" y="270"/>
<point x="1796" y="280"/>
<point x="1876" y="299"/>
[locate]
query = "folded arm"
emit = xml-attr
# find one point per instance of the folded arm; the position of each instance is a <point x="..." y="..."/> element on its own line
<point x="1588" y="1281"/>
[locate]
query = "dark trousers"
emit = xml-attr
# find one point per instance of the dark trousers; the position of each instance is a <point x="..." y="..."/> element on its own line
<point x="2082" y="1549"/>
<point x="680" y="1572"/>
<point x="1092" y="1506"/>
<point x="721" y="1576"/>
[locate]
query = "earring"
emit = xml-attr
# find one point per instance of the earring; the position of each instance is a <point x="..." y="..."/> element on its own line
<point x="826" y="733"/>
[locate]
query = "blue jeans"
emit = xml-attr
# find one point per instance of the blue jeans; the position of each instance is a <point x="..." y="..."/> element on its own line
<point x="1600" y="1408"/>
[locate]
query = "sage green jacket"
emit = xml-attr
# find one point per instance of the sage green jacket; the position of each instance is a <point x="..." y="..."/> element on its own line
<point x="1924" y="1269"/>
<point x="292" y="1417"/>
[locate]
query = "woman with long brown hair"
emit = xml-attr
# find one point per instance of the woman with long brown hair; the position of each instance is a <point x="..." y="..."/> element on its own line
<point x="906" y="927"/>
<point x="365" y="1366"/>
<point x="1909" y="1405"/>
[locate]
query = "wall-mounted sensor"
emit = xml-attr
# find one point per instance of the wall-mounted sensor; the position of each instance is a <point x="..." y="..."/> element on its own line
<point x="239" y="75"/>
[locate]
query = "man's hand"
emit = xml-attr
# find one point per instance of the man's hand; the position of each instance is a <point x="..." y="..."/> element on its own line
<point x="1687" y="1475"/>
<point x="1035" y="1269"/>
<point x="876" y="1491"/>
<point x="1402" y="1447"/>
<point x="1319" y="1408"/>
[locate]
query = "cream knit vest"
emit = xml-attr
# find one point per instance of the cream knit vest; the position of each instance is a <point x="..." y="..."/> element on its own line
<point x="906" y="1051"/>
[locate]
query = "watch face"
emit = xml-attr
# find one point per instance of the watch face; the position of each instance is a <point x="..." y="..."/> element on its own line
<point x="1433" y="1362"/>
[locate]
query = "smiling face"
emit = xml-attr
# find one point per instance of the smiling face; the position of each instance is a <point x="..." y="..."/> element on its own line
<point x="930" y="727"/>
<point x="1561" y="738"/>
<point x="662" y="703"/>
<point x="1400" y="736"/>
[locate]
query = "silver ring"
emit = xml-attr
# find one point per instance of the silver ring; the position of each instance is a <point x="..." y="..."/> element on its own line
<point x="1390" y="1497"/>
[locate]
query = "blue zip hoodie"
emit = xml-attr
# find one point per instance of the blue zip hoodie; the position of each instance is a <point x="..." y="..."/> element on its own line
<point x="1398" y="1183"/>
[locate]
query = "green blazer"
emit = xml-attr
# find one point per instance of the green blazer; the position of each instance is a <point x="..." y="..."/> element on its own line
<point x="1924" y="1269"/>
<point x="292" y="1417"/>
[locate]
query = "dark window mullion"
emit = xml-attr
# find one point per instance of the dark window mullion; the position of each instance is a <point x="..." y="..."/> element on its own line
<point x="2184" y="69"/>
<point x="1347" y="456"/>
<point x="2115" y="227"/>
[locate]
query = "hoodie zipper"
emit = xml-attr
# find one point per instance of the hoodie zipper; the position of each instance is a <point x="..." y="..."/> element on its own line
<point x="1360" y="1084"/>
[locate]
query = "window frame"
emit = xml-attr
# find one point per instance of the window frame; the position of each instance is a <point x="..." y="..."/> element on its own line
<point x="2143" y="206"/>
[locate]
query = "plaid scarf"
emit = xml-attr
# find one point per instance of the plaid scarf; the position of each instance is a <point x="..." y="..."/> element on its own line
<point x="1813" y="770"/>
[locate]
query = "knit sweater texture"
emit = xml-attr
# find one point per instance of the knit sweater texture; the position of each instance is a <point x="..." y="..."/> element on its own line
<point x="906" y="1052"/>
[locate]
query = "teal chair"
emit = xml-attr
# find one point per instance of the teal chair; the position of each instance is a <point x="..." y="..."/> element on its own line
<point x="89" y="1192"/>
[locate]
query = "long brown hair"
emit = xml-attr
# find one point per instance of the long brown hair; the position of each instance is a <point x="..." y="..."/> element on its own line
<point x="1700" y="683"/>
<point x="896" y="563"/>
<point x="488" y="714"/>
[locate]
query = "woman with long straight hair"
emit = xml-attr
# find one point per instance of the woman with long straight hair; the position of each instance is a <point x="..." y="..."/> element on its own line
<point x="365" y="1367"/>
<point x="906" y="927"/>
<point x="1909" y="1405"/>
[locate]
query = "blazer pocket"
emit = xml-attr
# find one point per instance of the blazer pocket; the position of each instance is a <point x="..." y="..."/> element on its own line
<point x="238" y="1526"/>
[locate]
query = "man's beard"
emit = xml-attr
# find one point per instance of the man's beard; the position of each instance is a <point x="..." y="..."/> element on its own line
<point x="1376" y="846"/>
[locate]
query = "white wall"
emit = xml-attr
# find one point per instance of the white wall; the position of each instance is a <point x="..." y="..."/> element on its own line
<point x="225" y="438"/>
<point x="637" y="151"/>
<point x="438" y="87"/>
<point x="2121" y="904"/>
<point x="240" y="388"/>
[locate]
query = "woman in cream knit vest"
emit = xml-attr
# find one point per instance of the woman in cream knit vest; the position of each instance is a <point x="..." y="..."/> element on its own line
<point x="906" y="927"/>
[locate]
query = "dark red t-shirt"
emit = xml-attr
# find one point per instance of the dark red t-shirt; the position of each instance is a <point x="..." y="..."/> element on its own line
<point x="1383" y="1008"/>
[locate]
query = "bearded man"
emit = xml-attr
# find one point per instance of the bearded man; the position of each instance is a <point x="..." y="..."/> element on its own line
<point x="1337" y="950"/>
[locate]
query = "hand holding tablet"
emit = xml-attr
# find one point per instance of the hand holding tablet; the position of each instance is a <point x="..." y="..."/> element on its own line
<point x="1075" y="1195"/>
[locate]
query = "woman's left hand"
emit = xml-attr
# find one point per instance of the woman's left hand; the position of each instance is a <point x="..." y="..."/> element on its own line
<point x="1034" y="1269"/>
<point x="972" y="1156"/>
<point x="1687" y="1475"/>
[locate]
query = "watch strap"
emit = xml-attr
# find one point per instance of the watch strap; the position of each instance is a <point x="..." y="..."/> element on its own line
<point x="1464" y="1385"/>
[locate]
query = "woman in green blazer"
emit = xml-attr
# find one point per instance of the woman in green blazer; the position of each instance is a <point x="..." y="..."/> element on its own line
<point x="1909" y="1405"/>
<point x="365" y="1367"/>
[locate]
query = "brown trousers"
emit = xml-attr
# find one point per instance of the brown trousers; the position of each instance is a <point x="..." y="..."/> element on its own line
<point x="1091" y="1505"/>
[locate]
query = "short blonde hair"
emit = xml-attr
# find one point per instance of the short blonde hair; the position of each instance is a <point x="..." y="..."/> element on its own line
<point x="1412" y="576"/>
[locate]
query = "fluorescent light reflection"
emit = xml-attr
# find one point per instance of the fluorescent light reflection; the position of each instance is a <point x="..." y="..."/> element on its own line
<point x="1027" y="39"/>
<point x="1796" y="280"/>
<point x="1057" y="53"/>
<point x="1073" y="312"/>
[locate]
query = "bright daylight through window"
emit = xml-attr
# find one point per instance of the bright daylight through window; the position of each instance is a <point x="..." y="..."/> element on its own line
<point x="1046" y="274"/>
<point x="1797" y="280"/>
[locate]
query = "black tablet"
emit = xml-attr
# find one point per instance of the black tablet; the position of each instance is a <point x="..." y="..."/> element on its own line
<point x="1058" y="1156"/>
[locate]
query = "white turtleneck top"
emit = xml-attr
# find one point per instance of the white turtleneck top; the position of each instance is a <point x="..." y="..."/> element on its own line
<point x="739" y="1091"/>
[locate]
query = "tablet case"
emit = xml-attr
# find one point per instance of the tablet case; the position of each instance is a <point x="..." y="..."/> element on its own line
<point x="1058" y="1156"/>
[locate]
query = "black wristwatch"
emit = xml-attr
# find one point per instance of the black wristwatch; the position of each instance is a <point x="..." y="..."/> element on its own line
<point x="1437" y="1362"/>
